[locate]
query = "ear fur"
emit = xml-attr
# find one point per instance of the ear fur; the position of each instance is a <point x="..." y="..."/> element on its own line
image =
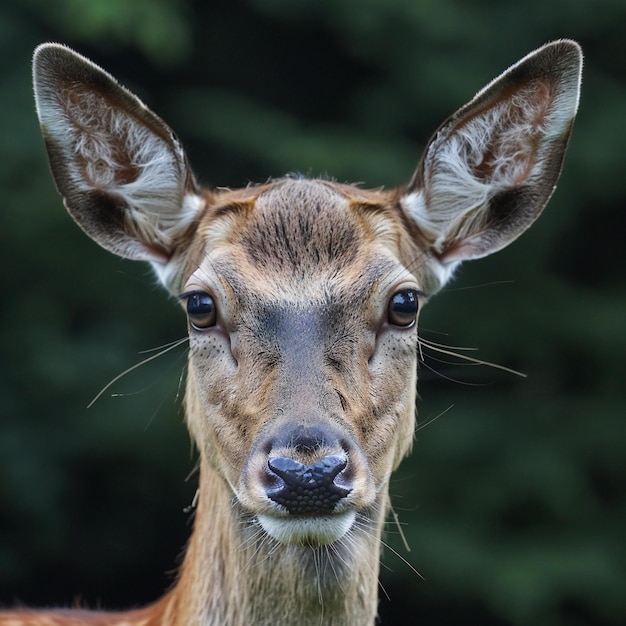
<point x="121" y="171"/>
<point x="489" y="170"/>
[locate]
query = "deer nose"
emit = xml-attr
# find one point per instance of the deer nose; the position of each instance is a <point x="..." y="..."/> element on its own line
<point x="307" y="489"/>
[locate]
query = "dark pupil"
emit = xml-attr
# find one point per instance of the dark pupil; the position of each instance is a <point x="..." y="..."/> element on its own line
<point x="404" y="304"/>
<point x="199" y="304"/>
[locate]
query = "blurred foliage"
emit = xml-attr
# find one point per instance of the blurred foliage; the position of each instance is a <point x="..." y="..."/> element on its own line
<point x="513" y="501"/>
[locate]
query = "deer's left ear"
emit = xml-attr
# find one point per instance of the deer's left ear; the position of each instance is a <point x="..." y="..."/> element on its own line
<point x="121" y="171"/>
<point x="491" y="167"/>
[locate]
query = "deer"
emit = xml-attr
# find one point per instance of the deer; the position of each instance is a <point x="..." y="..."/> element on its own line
<point x="302" y="297"/>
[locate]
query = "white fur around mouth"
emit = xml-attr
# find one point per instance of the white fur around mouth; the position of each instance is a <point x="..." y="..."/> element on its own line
<point x="313" y="531"/>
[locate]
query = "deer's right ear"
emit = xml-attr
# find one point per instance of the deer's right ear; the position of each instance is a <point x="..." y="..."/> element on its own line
<point x="121" y="171"/>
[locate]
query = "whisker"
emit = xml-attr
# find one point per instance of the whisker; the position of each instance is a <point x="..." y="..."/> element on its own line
<point x="428" y="422"/>
<point x="171" y="346"/>
<point x="179" y="388"/>
<point x="434" y="359"/>
<point x="465" y="357"/>
<point x="480" y="285"/>
<point x="386" y="545"/>
<point x="336" y="553"/>
<point x="399" y="527"/>
<point x="449" y="378"/>
<point x="430" y="343"/>
<point x="363" y="524"/>
<point x="320" y="595"/>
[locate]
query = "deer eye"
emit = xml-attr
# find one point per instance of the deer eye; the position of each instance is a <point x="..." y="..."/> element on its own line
<point x="201" y="310"/>
<point x="403" y="306"/>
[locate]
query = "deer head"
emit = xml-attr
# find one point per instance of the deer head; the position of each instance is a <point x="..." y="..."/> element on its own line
<point x="302" y="298"/>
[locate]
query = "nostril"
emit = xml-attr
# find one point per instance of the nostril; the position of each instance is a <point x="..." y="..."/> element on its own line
<point x="289" y="470"/>
<point x="328" y="468"/>
<point x="321" y="473"/>
<point x="307" y="489"/>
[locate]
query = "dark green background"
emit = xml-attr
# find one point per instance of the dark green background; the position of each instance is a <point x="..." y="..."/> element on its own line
<point x="513" y="501"/>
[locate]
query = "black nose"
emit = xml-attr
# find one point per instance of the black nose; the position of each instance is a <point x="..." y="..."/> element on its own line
<point x="307" y="489"/>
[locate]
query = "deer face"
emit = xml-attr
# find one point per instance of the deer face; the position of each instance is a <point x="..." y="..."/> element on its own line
<point x="303" y="334"/>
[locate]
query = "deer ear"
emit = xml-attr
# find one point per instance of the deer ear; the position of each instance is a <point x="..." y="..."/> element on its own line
<point x="490" y="169"/>
<point x="121" y="171"/>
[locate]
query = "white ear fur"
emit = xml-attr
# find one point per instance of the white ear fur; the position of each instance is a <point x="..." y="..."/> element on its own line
<point x="122" y="172"/>
<point x="490" y="169"/>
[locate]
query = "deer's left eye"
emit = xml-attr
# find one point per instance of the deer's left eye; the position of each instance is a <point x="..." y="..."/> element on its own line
<point x="201" y="310"/>
<point x="403" y="307"/>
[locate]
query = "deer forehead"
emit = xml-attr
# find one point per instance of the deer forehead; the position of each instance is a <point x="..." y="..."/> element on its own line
<point x="301" y="241"/>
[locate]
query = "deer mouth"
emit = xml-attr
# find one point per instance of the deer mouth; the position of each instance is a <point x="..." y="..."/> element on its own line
<point x="307" y="530"/>
<point x="311" y="501"/>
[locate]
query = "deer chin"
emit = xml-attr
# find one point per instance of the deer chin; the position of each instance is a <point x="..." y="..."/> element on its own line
<point x="307" y="531"/>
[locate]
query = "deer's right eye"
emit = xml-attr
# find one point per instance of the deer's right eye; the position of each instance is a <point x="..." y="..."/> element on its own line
<point x="201" y="310"/>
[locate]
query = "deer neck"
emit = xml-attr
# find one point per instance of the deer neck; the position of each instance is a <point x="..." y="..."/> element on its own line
<point x="234" y="575"/>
